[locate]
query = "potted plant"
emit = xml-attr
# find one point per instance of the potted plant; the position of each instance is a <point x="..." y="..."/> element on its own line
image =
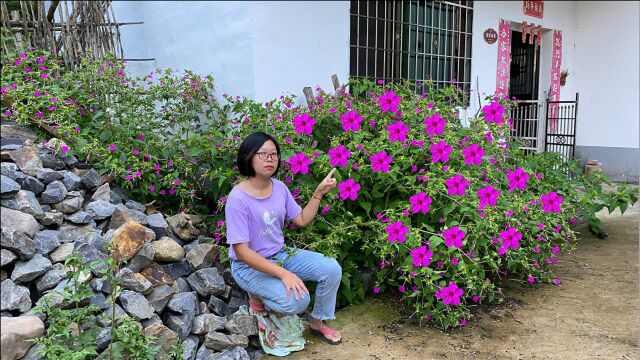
<point x="563" y="77"/>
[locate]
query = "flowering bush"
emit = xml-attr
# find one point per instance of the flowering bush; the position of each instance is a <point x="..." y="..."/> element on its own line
<point x="442" y="211"/>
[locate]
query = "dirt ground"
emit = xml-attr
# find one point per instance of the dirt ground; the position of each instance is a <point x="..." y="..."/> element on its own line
<point x="594" y="314"/>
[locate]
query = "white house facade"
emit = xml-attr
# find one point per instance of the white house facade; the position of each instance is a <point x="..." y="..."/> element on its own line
<point x="513" y="48"/>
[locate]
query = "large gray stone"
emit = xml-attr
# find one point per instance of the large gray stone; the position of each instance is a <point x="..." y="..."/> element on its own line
<point x="26" y="202"/>
<point x="190" y="347"/>
<point x="105" y="317"/>
<point x="180" y="323"/>
<point x="7" y="257"/>
<point x="91" y="255"/>
<point x="27" y="159"/>
<point x="71" y="181"/>
<point x="237" y="353"/>
<point x="219" y="341"/>
<point x="242" y="324"/>
<point x="142" y="259"/>
<point x="79" y="217"/>
<point x="46" y="176"/>
<point x="34" y="353"/>
<point x="100" y="209"/>
<point x="17" y="242"/>
<point x="183" y="225"/>
<point x="182" y="303"/>
<point x="86" y="233"/>
<point x="54" y="193"/>
<point x="14" y="297"/>
<point x="46" y="241"/>
<point x="178" y="269"/>
<point x="157" y="223"/>
<point x="202" y="256"/>
<point x="122" y="214"/>
<point x="136" y="206"/>
<point x="51" y="278"/>
<point x="103" y="339"/>
<point x="166" y="249"/>
<point x="204" y="353"/>
<point x="159" y="297"/>
<point x="166" y="338"/>
<point x="136" y="305"/>
<point x="17" y="335"/>
<point x="134" y="281"/>
<point x="219" y="307"/>
<point x="51" y="160"/>
<point x="31" y="184"/>
<point x="207" y="282"/>
<point x="202" y="324"/>
<point x="102" y="193"/>
<point x="72" y="203"/>
<point x="52" y="218"/>
<point x="28" y="270"/>
<point x="11" y="170"/>
<point x="8" y="187"/>
<point x="61" y="253"/>
<point x="18" y="221"/>
<point x="91" y="179"/>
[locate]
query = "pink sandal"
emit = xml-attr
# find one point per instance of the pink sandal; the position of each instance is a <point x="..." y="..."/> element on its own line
<point x="256" y="309"/>
<point x="321" y="333"/>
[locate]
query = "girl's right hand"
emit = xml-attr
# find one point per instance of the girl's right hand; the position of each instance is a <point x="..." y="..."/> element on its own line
<point x="293" y="283"/>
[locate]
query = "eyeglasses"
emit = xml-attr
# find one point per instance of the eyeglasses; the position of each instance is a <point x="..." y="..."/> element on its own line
<point x="265" y="156"/>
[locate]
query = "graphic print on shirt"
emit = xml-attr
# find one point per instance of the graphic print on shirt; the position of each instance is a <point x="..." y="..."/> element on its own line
<point x="269" y="218"/>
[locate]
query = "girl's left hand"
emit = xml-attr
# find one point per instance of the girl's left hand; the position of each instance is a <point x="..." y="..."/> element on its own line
<point x="327" y="184"/>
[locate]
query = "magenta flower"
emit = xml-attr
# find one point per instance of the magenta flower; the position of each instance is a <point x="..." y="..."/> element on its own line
<point x="450" y="295"/>
<point x="454" y="237"/>
<point x="488" y="195"/>
<point x="493" y="113"/>
<point x="135" y="152"/>
<point x="300" y="163"/>
<point x="351" y="121"/>
<point x="531" y="279"/>
<point x="138" y="174"/>
<point x="376" y="290"/>
<point x="64" y="148"/>
<point x="473" y="154"/>
<point x="440" y="152"/>
<point x="396" y="232"/>
<point x="152" y="188"/>
<point x="389" y="101"/>
<point x="128" y="177"/>
<point x="517" y="179"/>
<point x="434" y="125"/>
<point x="457" y="185"/>
<point x="339" y="156"/>
<point x="398" y="131"/>
<point x="172" y="191"/>
<point x="113" y="147"/>
<point x="510" y="238"/>
<point x="349" y="189"/>
<point x="176" y="182"/>
<point x="420" y="203"/>
<point x="380" y="162"/>
<point x="304" y="124"/>
<point x="551" y="202"/>
<point x="421" y="256"/>
<point x="37" y="93"/>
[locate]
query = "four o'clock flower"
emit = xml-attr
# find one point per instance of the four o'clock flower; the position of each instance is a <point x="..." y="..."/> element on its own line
<point x="440" y="152"/>
<point x="488" y="195"/>
<point x="398" y="131"/>
<point x="300" y="163"/>
<point x="421" y="256"/>
<point x="454" y="237"/>
<point x="380" y="162"/>
<point x="339" y="156"/>
<point x="303" y="124"/>
<point x="351" y="121"/>
<point x="517" y="179"/>
<point x="420" y="203"/>
<point x="396" y="232"/>
<point x="493" y="113"/>
<point x="510" y="238"/>
<point x="434" y="125"/>
<point x="389" y="101"/>
<point x="551" y="202"/>
<point x="349" y="189"/>
<point x="473" y="154"/>
<point x="450" y="295"/>
<point x="457" y="185"/>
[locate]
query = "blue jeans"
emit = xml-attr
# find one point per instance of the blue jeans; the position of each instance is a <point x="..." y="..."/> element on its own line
<point x="307" y="265"/>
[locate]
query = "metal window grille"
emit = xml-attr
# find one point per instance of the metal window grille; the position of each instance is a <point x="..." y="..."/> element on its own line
<point x="412" y="40"/>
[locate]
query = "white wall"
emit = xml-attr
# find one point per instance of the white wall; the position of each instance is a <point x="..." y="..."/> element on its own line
<point x="298" y="44"/>
<point x="256" y="49"/>
<point x="558" y="15"/>
<point x="607" y="73"/>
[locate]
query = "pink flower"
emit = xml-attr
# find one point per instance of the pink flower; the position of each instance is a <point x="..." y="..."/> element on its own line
<point x="351" y="121"/>
<point x="170" y="164"/>
<point x="457" y="185"/>
<point x="220" y="223"/>
<point x="510" y="238"/>
<point x="44" y="75"/>
<point x="557" y="281"/>
<point x="488" y="195"/>
<point x="473" y="155"/>
<point x="339" y="156"/>
<point x="420" y="203"/>
<point x="396" y="232"/>
<point x="128" y="177"/>
<point x="401" y="288"/>
<point x="389" y="101"/>
<point x="141" y="137"/>
<point x="64" y="148"/>
<point x="304" y="124"/>
<point x="434" y="125"/>
<point x="517" y="179"/>
<point x="380" y="162"/>
<point x="37" y="94"/>
<point x="493" y="113"/>
<point x="152" y="188"/>
<point x="398" y="131"/>
<point x="421" y="256"/>
<point x="172" y="191"/>
<point x="376" y="290"/>
<point x="349" y="189"/>
<point x="450" y="295"/>
<point x="551" y="202"/>
<point x="454" y="237"/>
<point x="176" y="182"/>
<point x="163" y="192"/>
<point x="455" y="261"/>
<point x="138" y="174"/>
<point x="531" y="279"/>
<point x="113" y="147"/>
<point x="300" y="163"/>
<point x="440" y="152"/>
<point x="135" y="152"/>
<point x="325" y="210"/>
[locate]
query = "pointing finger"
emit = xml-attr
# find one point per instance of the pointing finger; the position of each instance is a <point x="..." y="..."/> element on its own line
<point x="331" y="173"/>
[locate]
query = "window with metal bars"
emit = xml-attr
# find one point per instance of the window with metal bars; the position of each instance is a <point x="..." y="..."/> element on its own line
<point x="411" y="40"/>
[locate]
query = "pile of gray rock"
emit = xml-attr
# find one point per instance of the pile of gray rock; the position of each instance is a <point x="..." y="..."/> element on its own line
<point x="54" y="205"/>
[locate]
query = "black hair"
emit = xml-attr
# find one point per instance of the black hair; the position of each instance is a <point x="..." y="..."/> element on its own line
<point x="248" y="148"/>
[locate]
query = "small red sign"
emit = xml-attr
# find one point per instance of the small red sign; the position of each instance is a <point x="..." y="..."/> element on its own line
<point x="533" y="8"/>
<point x="490" y="36"/>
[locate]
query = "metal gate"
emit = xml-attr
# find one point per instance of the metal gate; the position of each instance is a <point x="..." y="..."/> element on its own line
<point x="526" y="125"/>
<point x="560" y="130"/>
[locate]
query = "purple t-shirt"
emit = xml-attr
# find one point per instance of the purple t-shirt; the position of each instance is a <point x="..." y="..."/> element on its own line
<point x="259" y="221"/>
